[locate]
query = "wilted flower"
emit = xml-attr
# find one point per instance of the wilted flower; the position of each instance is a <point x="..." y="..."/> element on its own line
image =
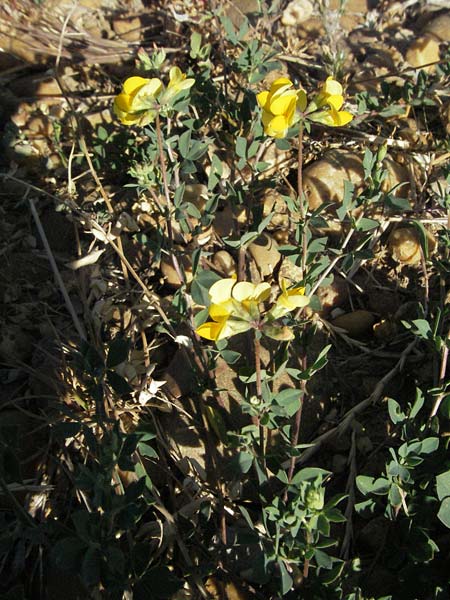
<point x="234" y="308"/>
<point x="279" y="107"/>
<point x="141" y="99"/>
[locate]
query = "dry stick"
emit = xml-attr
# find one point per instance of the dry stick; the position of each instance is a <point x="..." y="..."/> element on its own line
<point x="356" y="410"/>
<point x="350" y="489"/>
<point x="82" y="140"/>
<point x="78" y="326"/>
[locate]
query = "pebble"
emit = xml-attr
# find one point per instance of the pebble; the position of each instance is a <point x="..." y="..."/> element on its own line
<point x="404" y="245"/>
<point x="422" y="51"/>
<point x="323" y="180"/>
<point x="265" y="253"/>
<point x="358" y="324"/>
<point x="224" y="263"/>
<point x="296" y="12"/>
<point x="439" y="27"/>
<point x="128" y="29"/>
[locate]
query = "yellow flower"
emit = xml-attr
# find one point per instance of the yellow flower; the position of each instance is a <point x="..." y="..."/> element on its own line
<point x="279" y="106"/>
<point x="178" y="81"/>
<point x="142" y="98"/>
<point x="137" y="102"/>
<point x="330" y="96"/>
<point x="234" y="308"/>
<point x="288" y="300"/>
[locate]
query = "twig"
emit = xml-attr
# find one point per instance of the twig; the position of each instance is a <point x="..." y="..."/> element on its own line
<point x="350" y="490"/>
<point x="78" y="326"/>
<point x="356" y="410"/>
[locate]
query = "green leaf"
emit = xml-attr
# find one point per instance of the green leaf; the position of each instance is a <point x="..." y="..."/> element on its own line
<point x="444" y="512"/>
<point x="289" y="399"/>
<point x="366" y="224"/>
<point x="308" y="474"/>
<point x="118" y="352"/>
<point x="322" y="559"/>
<point x="370" y="485"/>
<point x="184" y="143"/>
<point x="241" y="147"/>
<point x="395" y="413"/>
<point x="286" y="579"/>
<point x="443" y="485"/>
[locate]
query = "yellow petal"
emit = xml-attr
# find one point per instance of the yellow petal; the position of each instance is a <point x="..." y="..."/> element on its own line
<point x="281" y="82"/>
<point x="261" y="98"/>
<point x="335" y="101"/>
<point x="175" y="75"/>
<point x="221" y="290"/>
<point x="145" y="96"/>
<point x="209" y="330"/>
<point x="221" y="311"/>
<point x="281" y="105"/>
<point x="343" y="118"/>
<point x="262" y="292"/>
<point x="332" y="87"/>
<point x="277" y="127"/>
<point x="122" y="102"/>
<point x="132" y="84"/>
<point x="244" y="290"/>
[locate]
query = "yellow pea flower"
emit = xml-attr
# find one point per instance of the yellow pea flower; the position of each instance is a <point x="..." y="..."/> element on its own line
<point x="234" y="308"/>
<point x="142" y="98"/>
<point x="331" y="96"/>
<point x="178" y="81"/>
<point x="137" y="101"/>
<point x="289" y="300"/>
<point x="279" y="106"/>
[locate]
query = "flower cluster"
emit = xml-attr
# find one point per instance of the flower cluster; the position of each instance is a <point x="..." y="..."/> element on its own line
<point x="236" y="307"/>
<point x="141" y="99"/>
<point x="283" y="106"/>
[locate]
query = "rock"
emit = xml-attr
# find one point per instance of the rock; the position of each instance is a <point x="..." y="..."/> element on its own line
<point x="439" y="27"/>
<point x="333" y="295"/>
<point x="224" y="263"/>
<point x="274" y="202"/>
<point x="224" y="221"/>
<point x="422" y="51"/>
<point x="128" y="29"/>
<point x="385" y="330"/>
<point x="358" y="324"/>
<point x="404" y="245"/>
<point x="237" y="10"/>
<point x="397" y="175"/>
<point x="197" y="194"/>
<point x="265" y="253"/>
<point x="357" y="6"/>
<point x="296" y="12"/>
<point x="323" y="180"/>
<point x="170" y="274"/>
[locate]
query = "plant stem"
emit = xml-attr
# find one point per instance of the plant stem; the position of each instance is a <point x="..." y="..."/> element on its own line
<point x="301" y="199"/>
<point x="298" y="415"/>
<point x="257" y="421"/>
